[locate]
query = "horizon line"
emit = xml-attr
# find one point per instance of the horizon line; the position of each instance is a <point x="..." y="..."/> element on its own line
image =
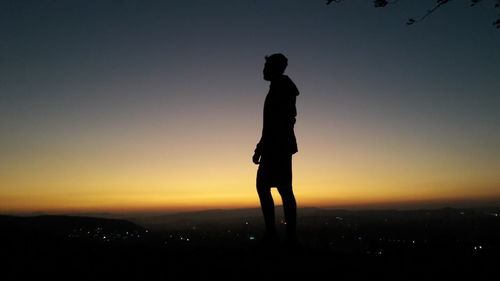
<point x="393" y="206"/>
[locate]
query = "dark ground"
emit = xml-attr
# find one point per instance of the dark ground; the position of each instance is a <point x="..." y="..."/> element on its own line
<point x="446" y="244"/>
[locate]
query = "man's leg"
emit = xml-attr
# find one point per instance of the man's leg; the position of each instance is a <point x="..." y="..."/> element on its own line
<point x="267" y="205"/>
<point x="290" y="209"/>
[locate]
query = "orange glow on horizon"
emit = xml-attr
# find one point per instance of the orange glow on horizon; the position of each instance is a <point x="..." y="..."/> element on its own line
<point x="157" y="204"/>
<point x="138" y="168"/>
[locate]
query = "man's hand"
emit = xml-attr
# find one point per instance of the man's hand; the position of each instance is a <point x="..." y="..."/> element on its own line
<point x="256" y="158"/>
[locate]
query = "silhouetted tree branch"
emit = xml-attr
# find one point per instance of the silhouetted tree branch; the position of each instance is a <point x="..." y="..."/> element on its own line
<point x="439" y="3"/>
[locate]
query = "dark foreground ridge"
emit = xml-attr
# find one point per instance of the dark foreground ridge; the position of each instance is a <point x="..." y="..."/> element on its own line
<point x="445" y="244"/>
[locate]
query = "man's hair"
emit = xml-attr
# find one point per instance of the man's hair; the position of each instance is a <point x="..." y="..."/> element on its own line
<point x="278" y="61"/>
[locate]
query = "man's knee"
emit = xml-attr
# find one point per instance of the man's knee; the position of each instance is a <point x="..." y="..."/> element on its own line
<point x="286" y="191"/>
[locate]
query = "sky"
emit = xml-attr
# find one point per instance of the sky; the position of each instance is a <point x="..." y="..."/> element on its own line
<point x="135" y="106"/>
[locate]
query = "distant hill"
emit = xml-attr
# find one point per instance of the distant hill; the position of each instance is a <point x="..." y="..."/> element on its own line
<point x="57" y="225"/>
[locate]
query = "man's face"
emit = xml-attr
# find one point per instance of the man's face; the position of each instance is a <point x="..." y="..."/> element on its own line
<point x="269" y="72"/>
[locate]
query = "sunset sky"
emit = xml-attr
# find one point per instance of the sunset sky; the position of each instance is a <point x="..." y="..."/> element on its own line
<point x="123" y="106"/>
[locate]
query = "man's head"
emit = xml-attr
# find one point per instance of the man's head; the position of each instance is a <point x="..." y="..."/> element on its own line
<point x="275" y="66"/>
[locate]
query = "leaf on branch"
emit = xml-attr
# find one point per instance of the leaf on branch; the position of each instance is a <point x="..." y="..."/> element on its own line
<point x="410" y="21"/>
<point x="380" y="3"/>
<point x="377" y="3"/>
<point x="328" y="2"/>
<point x="474" y="2"/>
<point x="497" y="23"/>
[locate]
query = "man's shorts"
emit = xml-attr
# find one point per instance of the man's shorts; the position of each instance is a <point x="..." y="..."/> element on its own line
<point x="275" y="170"/>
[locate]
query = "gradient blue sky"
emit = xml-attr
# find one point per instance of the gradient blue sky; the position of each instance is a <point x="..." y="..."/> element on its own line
<point x="104" y="100"/>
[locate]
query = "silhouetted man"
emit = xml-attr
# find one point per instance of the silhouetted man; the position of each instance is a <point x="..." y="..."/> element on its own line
<point x="276" y="147"/>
